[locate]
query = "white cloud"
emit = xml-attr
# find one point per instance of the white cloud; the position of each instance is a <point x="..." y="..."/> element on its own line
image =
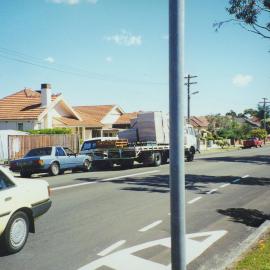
<point x="125" y="39"/>
<point x="109" y="59"/>
<point x="72" y="2"/>
<point x="49" y="59"/>
<point x="241" y="80"/>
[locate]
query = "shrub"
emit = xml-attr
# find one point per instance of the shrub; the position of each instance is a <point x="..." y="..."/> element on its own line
<point x="51" y="131"/>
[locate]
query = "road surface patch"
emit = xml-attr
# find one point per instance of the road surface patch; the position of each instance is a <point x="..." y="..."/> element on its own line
<point x="149" y="227"/>
<point x="225" y="185"/>
<point x="104" y="180"/>
<point x="112" y="248"/>
<point x="154" y="255"/>
<point x="211" y="191"/>
<point x="236" y="180"/>
<point x="194" y="200"/>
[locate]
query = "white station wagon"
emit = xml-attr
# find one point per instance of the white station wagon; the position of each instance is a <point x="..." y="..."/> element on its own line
<point x="21" y="201"/>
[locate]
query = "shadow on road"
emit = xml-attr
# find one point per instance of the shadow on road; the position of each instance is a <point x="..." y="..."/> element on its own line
<point x="198" y="183"/>
<point x="258" y="159"/>
<point x="250" y="217"/>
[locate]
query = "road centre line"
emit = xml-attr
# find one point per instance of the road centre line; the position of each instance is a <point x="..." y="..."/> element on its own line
<point x="74" y="185"/>
<point x="245" y="176"/>
<point x="104" y="180"/>
<point x="111" y="248"/>
<point x="211" y="191"/>
<point x="148" y="227"/>
<point x="225" y="185"/>
<point x="194" y="200"/>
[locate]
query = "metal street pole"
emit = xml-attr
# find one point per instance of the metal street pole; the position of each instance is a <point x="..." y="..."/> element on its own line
<point x="177" y="123"/>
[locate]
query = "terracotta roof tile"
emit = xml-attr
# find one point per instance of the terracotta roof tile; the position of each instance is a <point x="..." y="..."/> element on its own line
<point x="71" y="122"/>
<point x="23" y="105"/>
<point x="125" y="118"/>
<point x="96" y="113"/>
<point x="199" y="121"/>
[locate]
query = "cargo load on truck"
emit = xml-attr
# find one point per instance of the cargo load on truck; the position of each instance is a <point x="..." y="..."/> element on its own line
<point x="146" y="142"/>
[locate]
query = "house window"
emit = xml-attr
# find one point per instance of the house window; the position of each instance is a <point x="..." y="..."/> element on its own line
<point x="20" y="126"/>
<point x="96" y="133"/>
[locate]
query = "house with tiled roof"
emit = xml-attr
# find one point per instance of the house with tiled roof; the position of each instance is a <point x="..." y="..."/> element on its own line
<point x="29" y="109"/>
<point x="199" y="122"/>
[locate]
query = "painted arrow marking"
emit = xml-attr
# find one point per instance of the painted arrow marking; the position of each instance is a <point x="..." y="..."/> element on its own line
<point x="130" y="259"/>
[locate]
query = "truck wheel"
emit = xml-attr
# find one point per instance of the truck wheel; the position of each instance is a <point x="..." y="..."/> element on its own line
<point x="16" y="232"/>
<point x="157" y="159"/>
<point x="164" y="159"/>
<point x="190" y="156"/>
<point x="87" y="165"/>
<point x="54" y="169"/>
<point x="25" y="174"/>
<point x="127" y="164"/>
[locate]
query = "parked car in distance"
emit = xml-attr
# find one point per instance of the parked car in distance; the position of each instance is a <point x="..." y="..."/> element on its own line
<point x="53" y="160"/>
<point x="252" y="142"/>
<point x="21" y="201"/>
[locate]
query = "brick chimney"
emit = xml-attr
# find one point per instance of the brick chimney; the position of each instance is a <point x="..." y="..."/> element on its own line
<point x="46" y="95"/>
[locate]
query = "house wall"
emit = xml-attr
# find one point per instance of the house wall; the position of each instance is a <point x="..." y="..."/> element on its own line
<point x="14" y="125"/>
<point x="111" y="117"/>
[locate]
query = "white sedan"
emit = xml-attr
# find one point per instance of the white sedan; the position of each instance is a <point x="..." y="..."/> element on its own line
<point x="21" y="201"/>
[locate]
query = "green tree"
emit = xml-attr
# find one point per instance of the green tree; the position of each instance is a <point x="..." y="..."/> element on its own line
<point x="259" y="132"/>
<point x="250" y="15"/>
<point x="231" y="113"/>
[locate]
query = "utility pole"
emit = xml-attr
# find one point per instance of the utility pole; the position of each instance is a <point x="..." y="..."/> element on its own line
<point x="264" y="111"/>
<point x="189" y="83"/>
<point x="177" y="124"/>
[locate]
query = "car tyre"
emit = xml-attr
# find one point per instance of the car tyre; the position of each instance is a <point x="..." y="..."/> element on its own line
<point x="54" y="169"/>
<point x="25" y="174"/>
<point x="16" y="232"/>
<point x="87" y="165"/>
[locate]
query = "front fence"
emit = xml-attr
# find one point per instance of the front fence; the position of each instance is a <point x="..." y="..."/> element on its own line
<point x="19" y="145"/>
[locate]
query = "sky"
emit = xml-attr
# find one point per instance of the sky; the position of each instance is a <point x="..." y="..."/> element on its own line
<point x="116" y="52"/>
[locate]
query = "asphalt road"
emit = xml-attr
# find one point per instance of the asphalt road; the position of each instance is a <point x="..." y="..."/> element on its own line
<point x="102" y="220"/>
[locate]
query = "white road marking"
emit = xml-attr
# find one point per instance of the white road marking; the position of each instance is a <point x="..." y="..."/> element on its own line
<point x="194" y="200"/>
<point x="112" y="248"/>
<point x="127" y="258"/>
<point x="74" y="185"/>
<point x="148" y="227"/>
<point x="236" y="180"/>
<point x="225" y="185"/>
<point x="104" y="180"/>
<point x="211" y="191"/>
<point x="245" y="176"/>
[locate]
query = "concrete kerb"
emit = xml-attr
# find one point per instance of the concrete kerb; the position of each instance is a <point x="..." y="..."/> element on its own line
<point x="238" y="253"/>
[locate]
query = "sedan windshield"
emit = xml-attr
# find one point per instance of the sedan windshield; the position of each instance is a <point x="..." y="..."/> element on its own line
<point x="38" y="152"/>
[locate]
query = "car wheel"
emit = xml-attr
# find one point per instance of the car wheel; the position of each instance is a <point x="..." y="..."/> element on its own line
<point x="54" y="169"/>
<point x="16" y="232"/>
<point x="25" y="174"/>
<point x="87" y="165"/>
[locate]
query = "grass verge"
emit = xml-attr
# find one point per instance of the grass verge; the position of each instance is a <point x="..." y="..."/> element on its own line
<point x="258" y="258"/>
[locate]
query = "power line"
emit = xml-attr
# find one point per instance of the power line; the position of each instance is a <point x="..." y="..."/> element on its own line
<point x="35" y="61"/>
